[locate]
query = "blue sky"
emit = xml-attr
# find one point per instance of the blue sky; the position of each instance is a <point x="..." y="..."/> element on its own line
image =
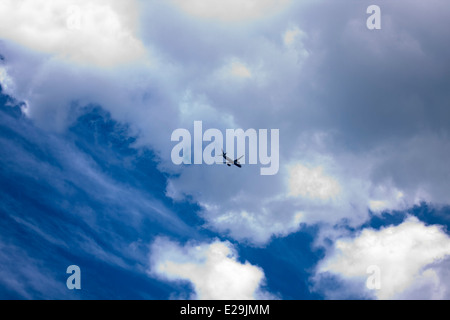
<point x="91" y="93"/>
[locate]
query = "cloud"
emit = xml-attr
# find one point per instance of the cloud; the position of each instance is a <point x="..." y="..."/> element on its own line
<point x="237" y="69"/>
<point x="232" y="10"/>
<point x="5" y="81"/>
<point x="68" y="199"/>
<point x="153" y="100"/>
<point x="292" y="35"/>
<point x="362" y="115"/>
<point x="24" y="276"/>
<point x="100" y="33"/>
<point x="409" y="256"/>
<point x="312" y="183"/>
<point x="372" y="104"/>
<point x="212" y="268"/>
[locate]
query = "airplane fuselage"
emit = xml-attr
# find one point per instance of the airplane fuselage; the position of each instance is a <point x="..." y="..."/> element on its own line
<point x="230" y="161"/>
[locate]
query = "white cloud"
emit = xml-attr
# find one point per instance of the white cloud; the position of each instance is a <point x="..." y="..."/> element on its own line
<point x="292" y="35"/>
<point x="312" y="183"/>
<point x="231" y="10"/>
<point x="238" y="75"/>
<point x="257" y="226"/>
<point x="385" y="197"/>
<point x="239" y="70"/>
<point x="5" y="80"/>
<point x="194" y="107"/>
<point x="99" y="33"/>
<point x="408" y="255"/>
<point x="212" y="268"/>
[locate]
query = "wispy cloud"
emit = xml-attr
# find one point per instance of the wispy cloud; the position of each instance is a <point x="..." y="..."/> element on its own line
<point x="62" y="199"/>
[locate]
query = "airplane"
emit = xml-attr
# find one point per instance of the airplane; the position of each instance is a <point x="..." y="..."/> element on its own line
<point x="228" y="161"/>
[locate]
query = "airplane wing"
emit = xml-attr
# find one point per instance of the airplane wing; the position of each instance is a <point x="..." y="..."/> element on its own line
<point x="237" y="160"/>
<point x="229" y="159"/>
